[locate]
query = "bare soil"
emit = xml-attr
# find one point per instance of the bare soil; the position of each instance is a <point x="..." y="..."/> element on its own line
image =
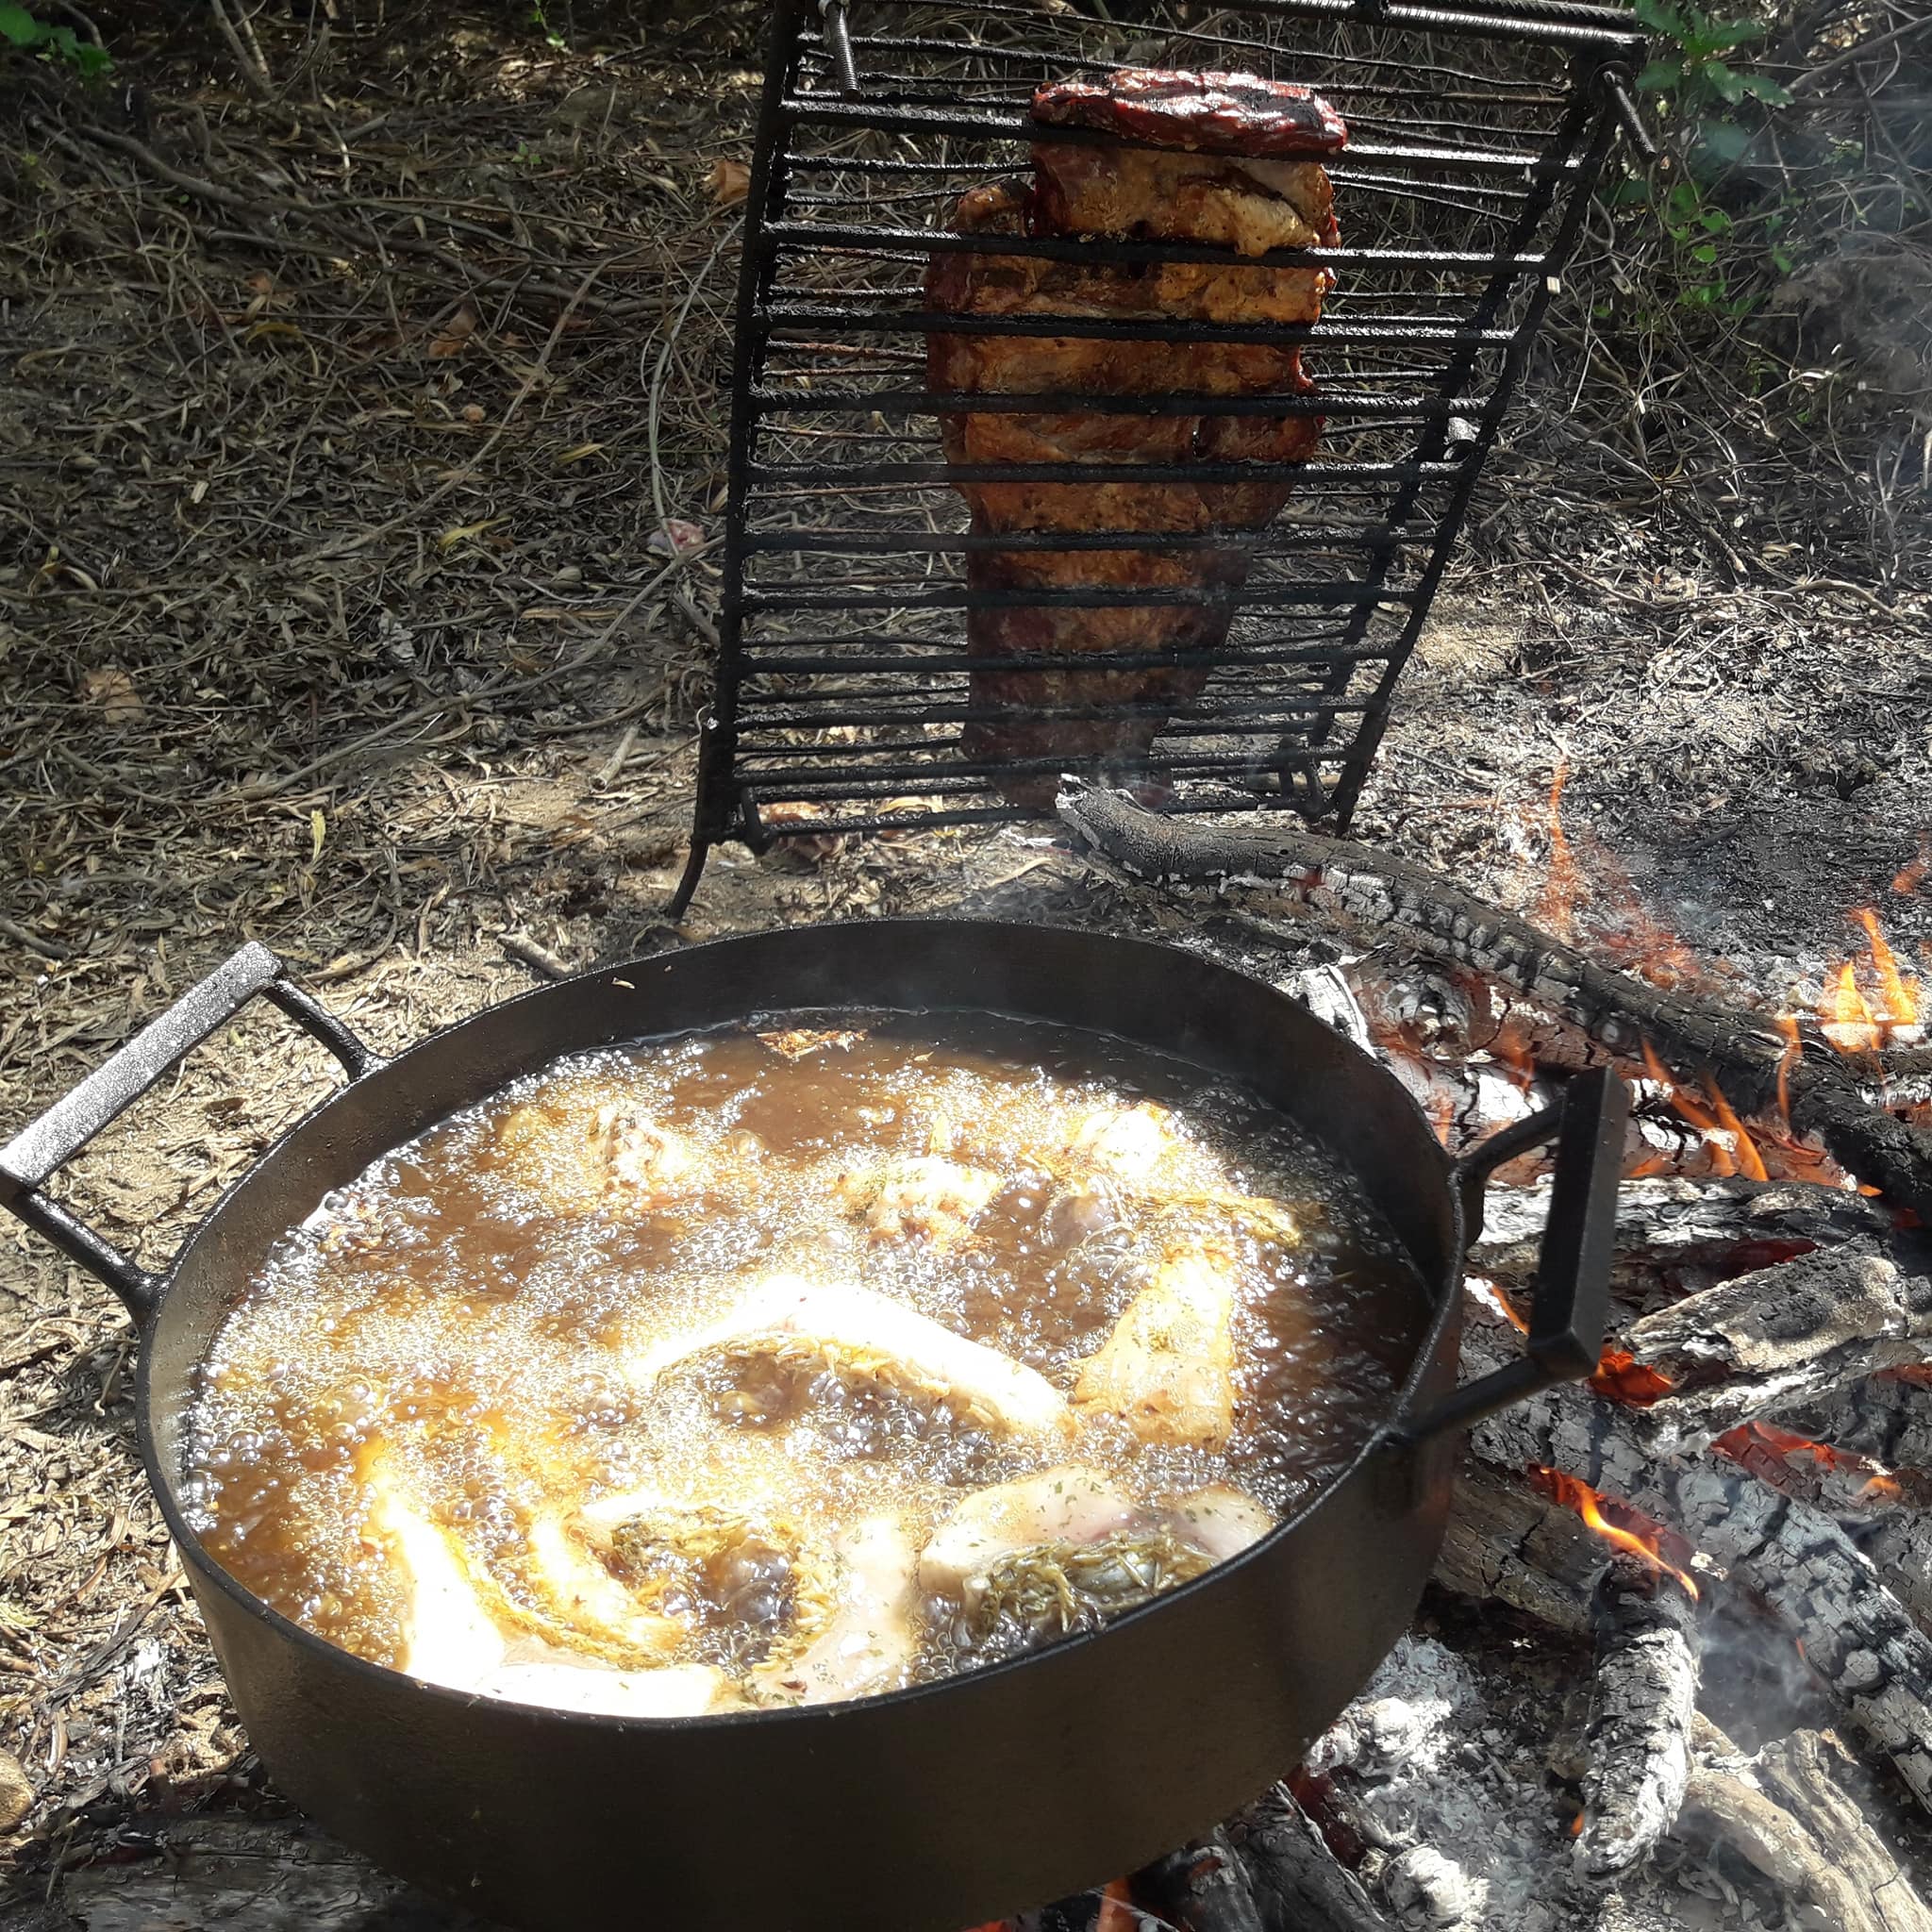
<point x="329" y="616"/>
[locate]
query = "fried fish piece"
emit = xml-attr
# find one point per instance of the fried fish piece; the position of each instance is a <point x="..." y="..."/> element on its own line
<point x="862" y="1636"/>
<point x="1167" y="1369"/>
<point x="921" y="1194"/>
<point x="864" y="1335"/>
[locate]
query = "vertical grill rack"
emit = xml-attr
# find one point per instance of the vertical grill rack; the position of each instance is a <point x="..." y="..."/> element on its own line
<point x="841" y="693"/>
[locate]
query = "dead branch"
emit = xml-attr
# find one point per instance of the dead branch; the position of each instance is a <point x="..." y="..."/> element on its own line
<point x="1787" y="1814"/>
<point x="1360" y="890"/>
<point x="1298" y="1883"/>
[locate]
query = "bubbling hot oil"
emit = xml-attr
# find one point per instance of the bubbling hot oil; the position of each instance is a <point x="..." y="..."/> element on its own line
<point x="467" y="1308"/>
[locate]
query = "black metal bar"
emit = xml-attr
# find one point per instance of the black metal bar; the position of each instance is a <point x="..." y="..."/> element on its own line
<point x="1234" y="659"/>
<point x="781" y="474"/>
<point x="1393" y="332"/>
<point x="1110" y="597"/>
<point x="1273" y="541"/>
<point x="877" y="239"/>
<point x="1529" y="20"/>
<point x="921" y="402"/>
<point x="954" y="774"/>
<point x="714" y="812"/>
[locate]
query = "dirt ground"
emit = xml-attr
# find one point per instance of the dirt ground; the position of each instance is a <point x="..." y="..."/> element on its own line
<point x="329" y="616"/>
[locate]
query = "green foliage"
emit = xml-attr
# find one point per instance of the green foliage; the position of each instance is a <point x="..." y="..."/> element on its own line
<point x="1713" y="104"/>
<point x="541" y="21"/>
<point x="21" y="29"/>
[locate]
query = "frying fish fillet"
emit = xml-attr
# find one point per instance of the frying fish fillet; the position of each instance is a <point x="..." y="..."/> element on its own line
<point x="919" y="1194"/>
<point x="1049" y="1547"/>
<point x="676" y="1691"/>
<point x="584" y="1598"/>
<point x="1167" y="1369"/>
<point x="1220" y="1521"/>
<point x="863" y="1643"/>
<point x="863" y="1334"/>
<point x="450" y="1638"/>
<point x="1072" y="1504"/>
<point x="585" y="1145"/>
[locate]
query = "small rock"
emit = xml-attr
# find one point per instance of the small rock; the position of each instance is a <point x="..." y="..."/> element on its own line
<point x="16" y="1793"/>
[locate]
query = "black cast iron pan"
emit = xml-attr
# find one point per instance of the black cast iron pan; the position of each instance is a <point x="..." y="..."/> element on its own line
<point x="934" y="1808"/>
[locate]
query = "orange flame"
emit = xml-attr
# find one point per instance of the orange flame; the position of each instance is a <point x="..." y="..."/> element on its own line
<point x="1911" y="874"/>
<point x="1556" y="906"/>
<point x="1794" y="1049"/>
<point x="1641" y="1537"/>
<point x="1732" y="1149"/>
<point x="1852" y="1021"/>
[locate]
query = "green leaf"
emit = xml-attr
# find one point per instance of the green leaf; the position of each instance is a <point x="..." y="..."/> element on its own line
<point x="91" y="59"/>
<point x="1630" y="193"/>
<point x="1659" y="17"/>
<point x="1680" y="204"/>
<point x="1660" y="74"/>
<point x="1724" y="140"/>
<point x="1781" y="260"/>
<point x="1727" y="84"/>
<point x="1766" y="89"/>
<point x="1706" y="251"/>
<point x="1714" y="221"/>
<point x="1704" y="296"/>
<point x="18" y="25"/>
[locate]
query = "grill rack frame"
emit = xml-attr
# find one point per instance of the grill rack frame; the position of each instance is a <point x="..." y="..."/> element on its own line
<point x="819" y="74"/>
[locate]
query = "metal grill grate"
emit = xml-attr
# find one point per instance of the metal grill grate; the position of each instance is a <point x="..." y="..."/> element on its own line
<point x="843" y="675"/>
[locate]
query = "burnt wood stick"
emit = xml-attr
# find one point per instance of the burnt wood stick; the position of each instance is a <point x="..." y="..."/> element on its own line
<point x="1669" y="1222"/>
<point x="1202" y="1888"/>
<point x="1779" y="1336"/>
<point x="1361" y="889"/>
<point x="1787" y="1812"/>
<point x="1508" y="1542"/>
<point x="1857" y="1636"/>
<point x="1298" y="1884"/>
<point x="1642" y="1705"/>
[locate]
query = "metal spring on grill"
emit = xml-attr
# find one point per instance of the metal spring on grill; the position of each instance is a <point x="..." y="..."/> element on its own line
<point x="844" y="691"/>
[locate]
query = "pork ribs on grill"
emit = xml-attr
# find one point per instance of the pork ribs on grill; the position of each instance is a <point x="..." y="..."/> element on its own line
<point x="1231" y="164"/>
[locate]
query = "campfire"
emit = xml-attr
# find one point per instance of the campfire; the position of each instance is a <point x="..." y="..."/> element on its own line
<point x="1755" y="1441"/>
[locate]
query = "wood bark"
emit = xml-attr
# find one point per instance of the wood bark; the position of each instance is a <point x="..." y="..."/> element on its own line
<point x="1642" y="1705"/>
<point x="1857" y="1635"/>
<point x="1202" y="1888"/>
<point x="1360" y="890"/>
<point x="1509" y="1544"/>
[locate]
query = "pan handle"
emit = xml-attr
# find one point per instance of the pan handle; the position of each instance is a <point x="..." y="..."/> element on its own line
<point x="41" y="1150"/>
<point x="1566" y="1320"/>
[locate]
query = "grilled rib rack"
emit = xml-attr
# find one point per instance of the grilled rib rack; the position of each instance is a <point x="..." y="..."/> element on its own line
<point x="840" y="695"/>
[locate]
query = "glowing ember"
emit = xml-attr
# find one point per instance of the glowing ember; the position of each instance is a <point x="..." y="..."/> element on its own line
<point x="1116" y="1909"/>
<point x="1768" y="1451"/>
<point x="1637" y="1532"/>
<point x="1621" y="1378"/>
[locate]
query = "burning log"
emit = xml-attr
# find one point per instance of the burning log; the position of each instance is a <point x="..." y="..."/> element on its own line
<point x="1774" y="1337"/>
<point x="1297" y="1881"/>
<point x="1202" y="1888"/>
<point x="1855" y="1633"/>
<point x="1670" y="1224"/>
<point x="1509" y="1544"/>
<point x="1888" y="1418"/>
<point x="1789" y="1815"/>
<point x="1642" y="1705"/>
<point x="1745" y="1059"/>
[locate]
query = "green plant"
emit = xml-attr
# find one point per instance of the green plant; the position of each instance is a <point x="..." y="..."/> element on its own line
<point x="20" y="27"/>
<point x="1699" y="84"/>
<point x="541" y="21"/>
